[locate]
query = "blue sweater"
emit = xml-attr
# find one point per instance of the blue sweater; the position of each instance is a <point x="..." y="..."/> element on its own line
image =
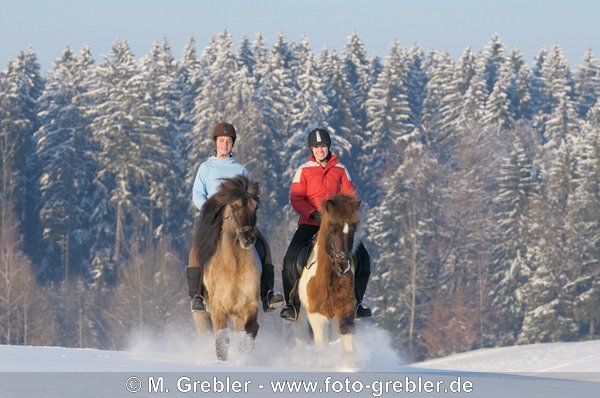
<point x="209" y="175"/>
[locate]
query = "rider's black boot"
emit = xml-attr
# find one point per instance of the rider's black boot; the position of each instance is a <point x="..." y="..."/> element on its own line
<point x="363" y="311"/>
<point x="270" y="298"/>
<point x="194" y="277"/>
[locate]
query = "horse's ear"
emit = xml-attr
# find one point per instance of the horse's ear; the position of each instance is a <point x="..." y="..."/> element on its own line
<point x="328" y="206"/>
<point x="253" y="188"/>
<point x="358" y="202"/>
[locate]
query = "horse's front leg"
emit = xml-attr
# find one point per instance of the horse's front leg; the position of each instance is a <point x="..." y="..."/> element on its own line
<point x="346" y="327"/>
<point x="249" y="324"/>
<point x="202" y="322"/>
<point x="319" y="324"/>
<point x="219" y="322"/>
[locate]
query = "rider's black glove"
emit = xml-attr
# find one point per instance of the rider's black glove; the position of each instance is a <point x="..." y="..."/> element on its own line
<point x="315" y="215"/>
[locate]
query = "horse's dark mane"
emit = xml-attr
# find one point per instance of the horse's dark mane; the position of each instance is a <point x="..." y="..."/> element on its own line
<point x="208" y="228"/>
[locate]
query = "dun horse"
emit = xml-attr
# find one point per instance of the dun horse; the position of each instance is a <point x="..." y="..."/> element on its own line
<point x="326" y="288"/>
<point x="224" y="239"/>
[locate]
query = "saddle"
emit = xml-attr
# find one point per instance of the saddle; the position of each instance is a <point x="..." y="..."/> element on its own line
<point x="303" y="255"/>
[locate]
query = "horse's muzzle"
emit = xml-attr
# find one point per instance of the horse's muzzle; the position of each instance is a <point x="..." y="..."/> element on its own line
<point x="246" y="236"/>
<point x="343" y="264"/>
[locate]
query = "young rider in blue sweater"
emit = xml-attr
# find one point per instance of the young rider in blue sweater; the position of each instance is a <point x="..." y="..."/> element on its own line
<point x="208" y="181"/>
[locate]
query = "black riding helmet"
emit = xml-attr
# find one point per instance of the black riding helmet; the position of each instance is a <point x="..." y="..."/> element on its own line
<point x="319" y="137"/>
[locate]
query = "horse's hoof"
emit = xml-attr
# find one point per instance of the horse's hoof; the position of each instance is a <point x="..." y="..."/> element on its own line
<point x="349" y="361"/>
<point x="222" y="345"/>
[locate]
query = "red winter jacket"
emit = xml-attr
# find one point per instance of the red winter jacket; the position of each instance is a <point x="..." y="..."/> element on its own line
<point x="312" y="184"/>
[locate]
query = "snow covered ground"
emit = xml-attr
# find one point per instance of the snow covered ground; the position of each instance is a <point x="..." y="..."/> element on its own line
<point x="580" y="357"/>
<point x="155" y="364"/>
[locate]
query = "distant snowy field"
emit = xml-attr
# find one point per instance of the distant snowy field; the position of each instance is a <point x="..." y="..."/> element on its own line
<point x="548" y="369"/>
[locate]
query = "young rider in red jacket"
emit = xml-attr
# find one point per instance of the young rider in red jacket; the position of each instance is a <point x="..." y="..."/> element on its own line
<point x="316" y="180"/>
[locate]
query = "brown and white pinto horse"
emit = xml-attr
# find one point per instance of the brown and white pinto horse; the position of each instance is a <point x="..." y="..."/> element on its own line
<point x="224" y="241"/>
<point x="326" y="287"/>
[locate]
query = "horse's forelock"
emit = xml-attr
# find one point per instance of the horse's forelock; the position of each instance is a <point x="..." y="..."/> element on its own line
<point x="342" y="208"/>
<point x="238" y="187"/>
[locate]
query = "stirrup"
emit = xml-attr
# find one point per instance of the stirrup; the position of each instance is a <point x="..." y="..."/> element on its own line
<point x="289" y="312"/>
<point x="272" y="300"/>
<point x="197" y="304"/>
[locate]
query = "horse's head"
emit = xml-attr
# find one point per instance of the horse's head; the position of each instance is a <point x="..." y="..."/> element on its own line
<point x="340" y="219"/>
<point x="241" y="210"/>
<point x="243" y="216"/>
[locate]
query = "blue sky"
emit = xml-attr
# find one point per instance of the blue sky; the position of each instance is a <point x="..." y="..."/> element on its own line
<point x="50" y="25"/>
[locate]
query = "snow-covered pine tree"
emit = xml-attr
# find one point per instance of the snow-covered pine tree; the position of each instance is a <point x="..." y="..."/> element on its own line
<point x="467" y="69"/>
<point x="417" y="82"/>
<point x="256" y="147"/>
<point x="274" y="97"/>
<point x="401" y="231"/>
<point x="22" y="84"/>
<point x="496" y="116"/>
<point x="587" y="84"/>
<point x="549" y="315"/>
<point x="245" y="55"/>
<point x="260" y="54"/>
<point x="359" y="75"/>
<point x="510" y="269"/>
<point x="288" y="54"/>
<point x="441" y="106"/>
<point x="494" y="58"/>
<point x="546" y="311"/>
<point x="310" y="110"/>
<point x="126" y="131"/>
<point x="585" y="283"/>
<point x="554" y="88"/>
<point x="188" y="81"/>
<point x="388" y="113"/>
<point x="475" y="98"/>
<point x="64" y="149"/>
<point x="163" y="94"/>
<point x="348" y="135"/>
<point x="549" y="304"/>
<point x="219" y="66"/>
<point x="519" y="89"/>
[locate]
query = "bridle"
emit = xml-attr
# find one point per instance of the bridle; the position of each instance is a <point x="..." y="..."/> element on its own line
<point x="239" y="230"/>
<point x="340" y="255"/>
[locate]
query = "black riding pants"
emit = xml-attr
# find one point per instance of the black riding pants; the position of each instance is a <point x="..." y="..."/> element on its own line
<point x="303" y="235"/>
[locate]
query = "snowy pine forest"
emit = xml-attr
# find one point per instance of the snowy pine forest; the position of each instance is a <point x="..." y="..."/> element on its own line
<point x="480" y="181"/>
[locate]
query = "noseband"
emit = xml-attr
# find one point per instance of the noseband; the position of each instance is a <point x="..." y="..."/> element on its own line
<point x="341" y="256"/>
